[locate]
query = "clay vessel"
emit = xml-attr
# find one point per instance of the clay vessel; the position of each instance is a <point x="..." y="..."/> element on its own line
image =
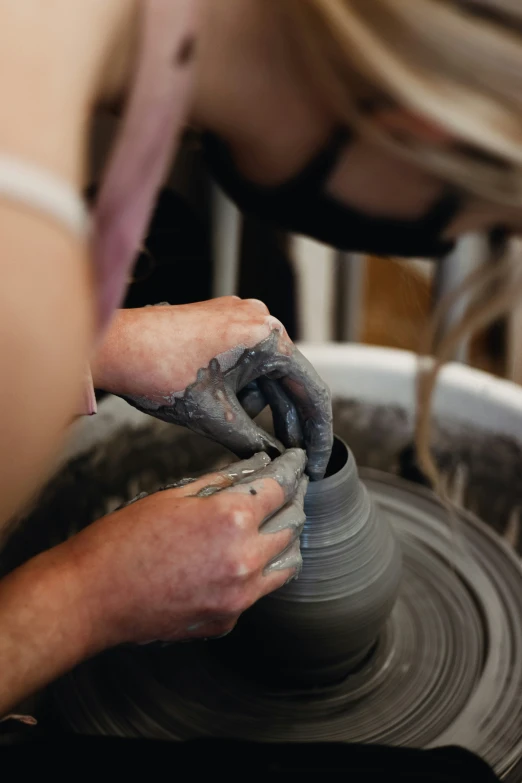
<point x="324" y="624"/>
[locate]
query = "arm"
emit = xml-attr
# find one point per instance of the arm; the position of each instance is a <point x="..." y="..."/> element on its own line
<point x="50" y="61"/>
<point x="175" y="565"/>
<point x="45" y="625"/>
<point x="45" y="324"/>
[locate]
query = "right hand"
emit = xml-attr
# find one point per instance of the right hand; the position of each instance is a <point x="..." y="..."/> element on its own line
<point x="214" y="366"/>
<point x="186" y="562"/>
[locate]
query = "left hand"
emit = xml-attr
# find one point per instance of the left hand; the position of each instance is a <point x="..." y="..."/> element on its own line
<point x="210" y="366"/>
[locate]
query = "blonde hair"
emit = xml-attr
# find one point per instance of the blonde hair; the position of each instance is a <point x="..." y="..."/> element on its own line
<point x="457" y="63"/>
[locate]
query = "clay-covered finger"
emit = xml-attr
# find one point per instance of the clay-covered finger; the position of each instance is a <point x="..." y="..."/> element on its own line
<point x="287" y="426"/>
<point x="275" y="550"/>
<point x="291" y="516"/>
<point x="234" y="473"/>
<point x="277" y="580"/>
<point x="252" y="399"/>
<point x="289" y="569"/>
<point x="218" y="415"/>
<point x="286" y="470"/>
<point x="312" y="399"/>
<point x="226" y="477"/>
<point x="242" y="436"/>
<point x="211" y="408"/>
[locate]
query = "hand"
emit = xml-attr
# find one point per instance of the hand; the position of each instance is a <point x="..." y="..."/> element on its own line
<point x="186" y="562"/>
<point x="211" y="366"/>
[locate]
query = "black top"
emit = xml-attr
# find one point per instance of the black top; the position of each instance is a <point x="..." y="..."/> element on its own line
<point x="302" y="206"/>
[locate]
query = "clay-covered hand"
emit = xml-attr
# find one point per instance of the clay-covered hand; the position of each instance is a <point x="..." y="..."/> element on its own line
<point x="213" y="366"/>
<point x="186" y="562"/>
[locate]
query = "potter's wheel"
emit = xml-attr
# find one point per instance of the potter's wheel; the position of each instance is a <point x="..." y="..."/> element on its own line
<point x="446" y="670"/>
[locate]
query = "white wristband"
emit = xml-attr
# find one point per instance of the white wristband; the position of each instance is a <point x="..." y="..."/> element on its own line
<point x="45" y="192"/>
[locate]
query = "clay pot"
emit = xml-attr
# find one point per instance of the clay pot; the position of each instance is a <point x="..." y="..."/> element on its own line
<point x="323" y="625"/>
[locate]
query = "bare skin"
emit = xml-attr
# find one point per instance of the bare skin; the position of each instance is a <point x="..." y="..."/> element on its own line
<point x="76" y="56"/>
<point x="81" y="55"/>
<point x="171" y="566"/>
<point x="191" y="364"/>
<point x="175" y="342"/>
<point x="277" y="128"/>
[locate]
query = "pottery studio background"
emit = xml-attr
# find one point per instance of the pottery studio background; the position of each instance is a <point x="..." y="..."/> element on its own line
<point x="198" y="247"/>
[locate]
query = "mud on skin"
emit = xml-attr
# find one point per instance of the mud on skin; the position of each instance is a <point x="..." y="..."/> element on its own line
<point x="240" y="383"/>
<point x="287" y="470"/>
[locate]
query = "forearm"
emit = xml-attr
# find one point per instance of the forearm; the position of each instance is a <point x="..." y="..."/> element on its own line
<point x="141" y="348"/>
<point x="114" y="353"/>
<point x="45" y="626"/>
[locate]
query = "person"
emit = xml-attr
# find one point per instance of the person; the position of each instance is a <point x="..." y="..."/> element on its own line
<point x="196" y="559"/>
<point x="386" y="126"/>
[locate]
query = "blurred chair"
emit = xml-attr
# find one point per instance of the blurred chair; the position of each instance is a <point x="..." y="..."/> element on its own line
<point x="326" y="278"/>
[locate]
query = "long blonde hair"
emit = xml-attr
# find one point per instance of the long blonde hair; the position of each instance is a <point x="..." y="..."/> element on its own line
<point x="457" y="63"/>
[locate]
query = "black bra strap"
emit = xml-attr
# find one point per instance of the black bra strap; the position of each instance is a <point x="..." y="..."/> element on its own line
<point x="443" y="212"/>
<point x="317" y="172"/>
<point x="314" y="174"/>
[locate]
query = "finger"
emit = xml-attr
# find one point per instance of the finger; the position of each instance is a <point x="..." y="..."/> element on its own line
<point x="259" y="305"/>
<point x="277" y="358"/>
<point x="291" y="516"/>
<point x="278" y="578"/>
<point x="213" y="409"/>
<point x="252" y="400"/>
<point x="269" y="490"/>
<point x="274" y="549"/>
<point x="312" y="399"/>
<point x="245" y="438"/>
<point x="287" y="426"/>
<point x="221" y="479"/>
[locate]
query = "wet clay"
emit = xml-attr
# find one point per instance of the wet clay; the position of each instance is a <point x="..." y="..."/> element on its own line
<point x="278" y="375"/>
<point x="321" y="626"/>
<point x="446" y="667"/>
